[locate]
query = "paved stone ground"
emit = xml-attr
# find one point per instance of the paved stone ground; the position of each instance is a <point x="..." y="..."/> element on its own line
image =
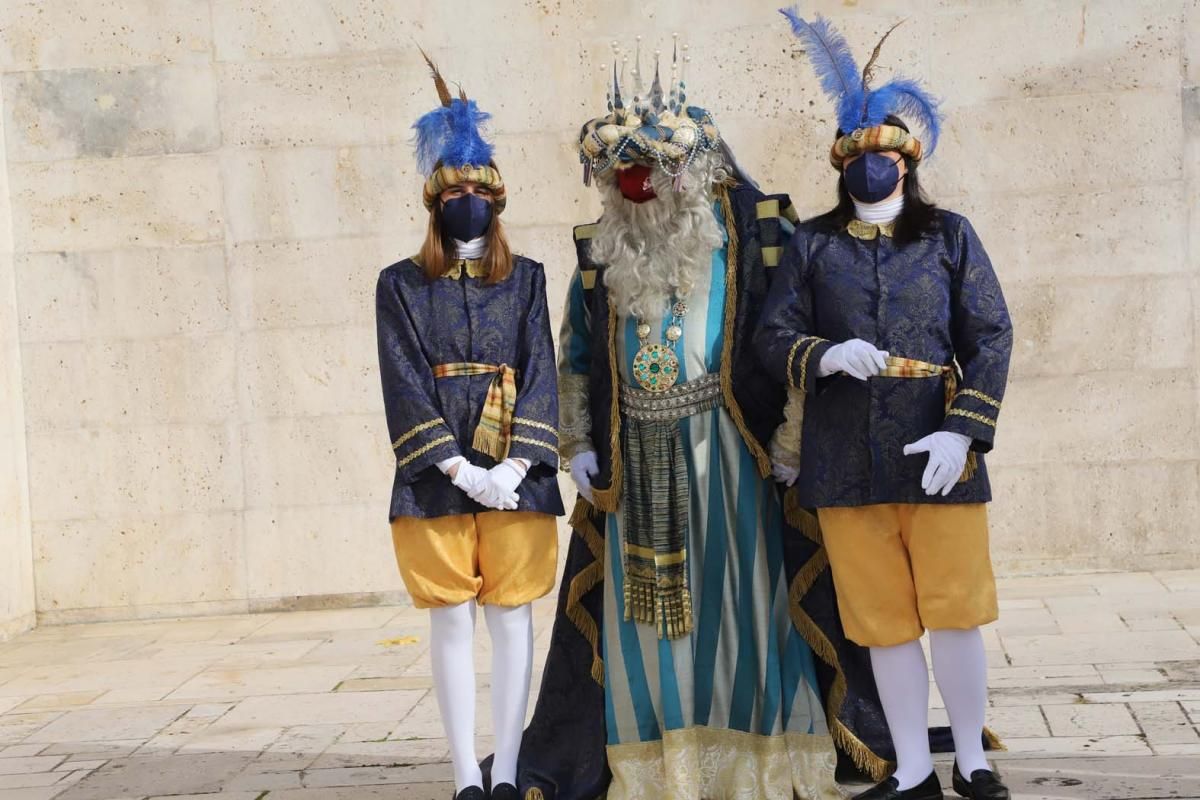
<point x="1096" y="690"/>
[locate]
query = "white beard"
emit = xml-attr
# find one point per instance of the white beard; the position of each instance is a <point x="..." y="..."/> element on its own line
<point x="659" y="249"/>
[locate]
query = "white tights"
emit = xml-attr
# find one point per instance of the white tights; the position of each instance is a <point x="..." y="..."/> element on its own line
<point x="453" y="658"/>
<point x="902" y="676"/>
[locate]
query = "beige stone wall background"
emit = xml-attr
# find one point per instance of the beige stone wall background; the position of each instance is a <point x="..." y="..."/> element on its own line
<point x="203" y="191"/>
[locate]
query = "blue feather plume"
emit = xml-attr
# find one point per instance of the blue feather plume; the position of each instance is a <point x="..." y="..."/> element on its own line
<point x="834" y="64"/>
<point x="908" y="100"/>
<point x="452" y="135"/>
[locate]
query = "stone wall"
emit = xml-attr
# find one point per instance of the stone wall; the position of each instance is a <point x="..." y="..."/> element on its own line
<point x="203" y="192"/>
<point x="16" y="561"/>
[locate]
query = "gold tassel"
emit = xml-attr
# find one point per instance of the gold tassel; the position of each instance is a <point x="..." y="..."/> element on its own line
<point x="534" y="793"/>
<point x="993" y="741"/>
<point x="490" y="443"/>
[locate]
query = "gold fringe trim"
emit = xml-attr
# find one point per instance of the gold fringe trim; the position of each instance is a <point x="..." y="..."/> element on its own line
<point x="490" y="443"/>
<point x="731" y="294"/>
<point x="584" y="581"/>
<point x="800" y="517"/>
<point x="863" y="757"/>
<point x="608" y="499"/>
<point x="534" y="793"/>
<point x="993" y="741"/>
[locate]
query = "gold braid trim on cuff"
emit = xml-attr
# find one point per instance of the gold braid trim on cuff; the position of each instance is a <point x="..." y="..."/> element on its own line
<point x="424" y="426"/>
<point x="533" y="423"/>
<point x="420" y="451"/>
<point x="535" y="443"/>
<point x="978" y="395"/>
<point x="958" y="412"/>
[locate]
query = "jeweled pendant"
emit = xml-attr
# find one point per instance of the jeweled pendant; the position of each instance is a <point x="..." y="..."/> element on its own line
<point x="655" y="367"/>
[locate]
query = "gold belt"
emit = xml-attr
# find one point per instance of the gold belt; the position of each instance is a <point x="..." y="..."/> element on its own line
<point x="493" y="435"/>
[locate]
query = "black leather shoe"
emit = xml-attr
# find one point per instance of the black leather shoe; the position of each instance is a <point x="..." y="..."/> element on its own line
<point x="984" y="785"/>
<point x="471" y="793"/>
<point x="928" y="789"/>
<point x="505" y="791"/>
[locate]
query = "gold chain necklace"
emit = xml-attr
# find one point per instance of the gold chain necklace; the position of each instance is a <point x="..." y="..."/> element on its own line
<point x="656" y="366"/>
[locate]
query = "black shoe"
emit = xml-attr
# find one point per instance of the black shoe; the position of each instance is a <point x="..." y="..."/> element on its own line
<point x="505" y="791"/>
<point x="928" y="789"/>
<point x="471" y="793"/>
<point x="984" y="785"/>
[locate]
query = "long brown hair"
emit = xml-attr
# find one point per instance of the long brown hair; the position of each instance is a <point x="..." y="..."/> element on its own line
<point x="437" y="252"/>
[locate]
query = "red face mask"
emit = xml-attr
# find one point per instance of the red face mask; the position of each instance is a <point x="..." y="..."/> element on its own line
<point x="635" y="183"/>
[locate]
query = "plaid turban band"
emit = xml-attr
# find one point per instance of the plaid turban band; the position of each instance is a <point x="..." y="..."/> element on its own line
<point x="879" y="138"/>
<point x="444" y="177"/>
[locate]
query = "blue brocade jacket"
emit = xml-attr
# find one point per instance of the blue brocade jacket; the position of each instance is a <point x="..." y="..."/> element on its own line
<point x="935" y="299"/>
<point x="422" y="324"/>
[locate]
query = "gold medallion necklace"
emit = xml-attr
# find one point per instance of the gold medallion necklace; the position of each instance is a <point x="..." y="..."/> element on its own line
<point x="656" y="366"/>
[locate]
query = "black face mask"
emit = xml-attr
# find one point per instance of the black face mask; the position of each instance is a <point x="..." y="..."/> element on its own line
<point x="466" y="217"/>
<point x="872" y="177"/>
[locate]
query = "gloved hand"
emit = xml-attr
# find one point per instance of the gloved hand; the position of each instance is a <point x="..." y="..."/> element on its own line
<point x="947" y="457"/>
<point x="463" y="473"/>
<point x="583" y="468"/>
<point x="856" y="358"/>
<point x="501" y="485"/>
<point x="784" y="474"/>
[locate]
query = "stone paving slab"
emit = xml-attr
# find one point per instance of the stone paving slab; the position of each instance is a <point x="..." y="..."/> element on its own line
<point x="338" y="704"/>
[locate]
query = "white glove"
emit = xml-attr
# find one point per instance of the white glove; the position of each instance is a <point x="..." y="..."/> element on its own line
<point x="856" y="358"/>
<point x="783" y="473"/>
<point x="501" y="485"/>
<point x="947" y="457"/>
<point x="474" y="481"/>
<point x="583" y="468"/>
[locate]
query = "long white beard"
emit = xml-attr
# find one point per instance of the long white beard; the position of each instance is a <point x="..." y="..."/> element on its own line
<point x="659" y="249"/>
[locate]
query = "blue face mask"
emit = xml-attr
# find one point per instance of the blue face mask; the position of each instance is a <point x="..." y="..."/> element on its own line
<point x="466" y="217"/>
<point x="872" y="177"/>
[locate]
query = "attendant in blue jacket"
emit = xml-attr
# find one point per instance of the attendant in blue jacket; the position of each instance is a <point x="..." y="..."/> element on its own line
<point x="470" y="389"/>
<point x="888" y="324"/>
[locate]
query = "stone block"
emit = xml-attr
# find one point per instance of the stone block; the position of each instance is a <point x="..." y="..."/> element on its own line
<point x="147" y="470"/>
<point x="330" y="461"/>
<point x="1079" y="326"/>
<point x="128" y="294"/>
<point x="1118" y="232"/>
<point x="308" y="193"/>
<point x="35" y="34"/>
<point x="287" y="284"/>
<point x="146" y="560"/>
<point x="281" y="29"/>
<point x="99" y="382"/>
<point x="324" y="102"/>
<point x="109" y="203"/>
<point x="310" y="371"/>
<point x="1054" y="144"/>
<point x="288" y="549"/>
<point x="1087" y="48"/>
<point x="323" y="709"/>
<point x="104" y="113"/>
<point x="1099" y="417"/>
<point x="1052" y="511"/>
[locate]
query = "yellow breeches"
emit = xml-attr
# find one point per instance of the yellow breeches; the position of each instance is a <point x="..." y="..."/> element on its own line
<point x="900" y="569"/>
<point x="503" y="558"/>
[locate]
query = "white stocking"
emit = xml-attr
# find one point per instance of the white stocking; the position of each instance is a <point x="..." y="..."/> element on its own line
<point x="512" y="665"/>
<point x="451" y="650"/>
<point x="960" y="667"/>
<point x="903" y="680"/>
